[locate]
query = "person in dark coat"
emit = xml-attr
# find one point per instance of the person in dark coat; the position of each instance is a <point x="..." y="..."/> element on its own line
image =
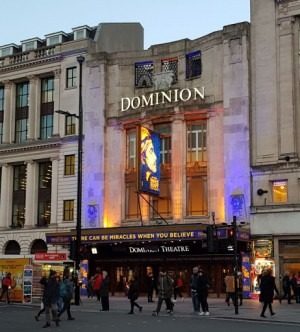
<point x="165" y="292"/>
<point x="267" y="288"/>
<point x="51" y="296"/>
<point x="287" y="287"/>
<point x="202" y="291"/>
<point x="133" y="294"/>
<point x="43" y="282"/>
<point x="104" y="291"/>
<point x="150" y="286"/>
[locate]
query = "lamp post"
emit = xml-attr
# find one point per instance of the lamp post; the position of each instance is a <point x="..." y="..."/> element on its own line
<point x="80" y="60"/>
<point x="234" y="225"/>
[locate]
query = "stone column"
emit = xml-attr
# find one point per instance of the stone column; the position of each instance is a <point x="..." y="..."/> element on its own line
<point x="54" y="191"/>
<point x="286" y="88"/>
<point x="178" y="163"/>
<point x="33" y="121"/>
<point x="6" y="196"/>
<point x="7" y="125"/>
<point x="31" y="198"/>
<point x="56" y="116"/>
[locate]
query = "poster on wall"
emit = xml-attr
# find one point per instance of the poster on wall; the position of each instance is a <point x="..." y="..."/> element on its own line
<point x="149" y="161"/>
<point x="27" y="283"/>
<point x="84" y="270"/>
<point x="15" y="266"/>
<point x="246" y="269"/>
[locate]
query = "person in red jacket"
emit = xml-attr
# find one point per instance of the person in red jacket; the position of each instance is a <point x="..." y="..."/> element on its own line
<point x="6" y="286"/>
<point x="97" y="282"/>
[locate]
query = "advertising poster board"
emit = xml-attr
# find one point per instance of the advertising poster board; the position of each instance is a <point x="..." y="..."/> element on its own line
<point x="149" y="161"/>
<point x="27" y="284"/>
<point x="16" y="267"/>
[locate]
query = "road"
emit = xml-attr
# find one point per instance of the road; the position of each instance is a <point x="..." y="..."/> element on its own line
<point x="19" y="318"/>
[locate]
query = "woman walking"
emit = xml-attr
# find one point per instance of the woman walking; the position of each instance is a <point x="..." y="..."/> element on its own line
<point x="133" y="294"/>
<point x="267" y="288"/>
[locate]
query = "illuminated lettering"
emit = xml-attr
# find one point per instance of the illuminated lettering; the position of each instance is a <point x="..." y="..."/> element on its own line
<point x="161" y="97"/>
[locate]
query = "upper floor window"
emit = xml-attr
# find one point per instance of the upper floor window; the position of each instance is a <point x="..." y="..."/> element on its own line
<point x="69" y="165"/>
<point x="143" y="74"/>
<point x="71" y="77"/>
<point x="196" y="142"/>
<point x="68" y="213"/>
<point x="165" y="143"/>
<point x="70" y="126"/>
<point x="193" y="64"/>
<point x="170" y="64"/>
<point x="22" y="97"/>
<point x="45" y="175"/>
<point x="131" y="149"/>
<point x="47" y="107"/>
<point x="280" y="191"/>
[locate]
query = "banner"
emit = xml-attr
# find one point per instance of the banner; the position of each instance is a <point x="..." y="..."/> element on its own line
<point x="149" y="175"/>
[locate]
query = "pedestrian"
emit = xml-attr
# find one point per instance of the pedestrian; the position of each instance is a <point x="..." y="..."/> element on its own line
<point x="298" y="288"/>
<point x="202" y="290"/>
<point x="286" y="287"/>
<point x="133" y="294"/>
<point x="150" y="281"/>
<point x="178" y="287"/>
<point x="90" y="292"/>
<point x="194" y="290"/>
<point x="104" y="291"/>
<point x="230" y="288"/>
<point x="43" y="282"/>
<point x="6" y="286"/>
<point x="240" y="287"/>
<point x="97" y="281"/>
<point x="51" y="298"/>
<point x="66" y="293"/>
<point x="267" y="288"/>
<point x="294" y="286"/>
<point x="165" y="292"/>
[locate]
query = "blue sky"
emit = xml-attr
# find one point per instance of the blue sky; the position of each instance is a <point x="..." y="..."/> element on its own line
<point x="163" y="20"/>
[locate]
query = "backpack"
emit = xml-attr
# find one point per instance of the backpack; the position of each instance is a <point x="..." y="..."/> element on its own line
<point x="62" y="290"/>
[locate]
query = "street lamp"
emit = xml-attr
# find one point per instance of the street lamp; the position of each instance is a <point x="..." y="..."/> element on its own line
<point x="80" y="60"/>
<point x="236" y="264"/>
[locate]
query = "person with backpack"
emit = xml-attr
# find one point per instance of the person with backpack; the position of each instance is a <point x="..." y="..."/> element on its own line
<point x="6" y="286"/>
<point x="66" y="293"/>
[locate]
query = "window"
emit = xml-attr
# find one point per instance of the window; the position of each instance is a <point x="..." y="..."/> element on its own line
<point x="22" y="97"/>
<point x="196" y="143"/>
<point x="170" y="65"/>
<point x="131" y="200"/>
<point x="53" y="40"/>
<point x="196" y="181"/>
<point x="70" y="127"/>
<point x="197" y="195"/>
<point x="47" y="108"/>
<point x="69" y="165"/>
<point x="165" y="147"/>
<point x="71" y="77"/>
<point x="193" y="64"/>
<point x="131" y="150"/>
<point x="1" y="112"/>
<point x="68" y="210"/>
<point x="162" y="204"/>
<point x="19" y="191"/>
<point x="143" y="74"/>
<point x="44" y="193"/>
<point x="279" y="190"/>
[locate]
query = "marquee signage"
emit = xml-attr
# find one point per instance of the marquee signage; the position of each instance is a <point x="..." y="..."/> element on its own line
<point x="159" y="249"/>
<point x="161" y="98"/>
<point x="130" y="237"/>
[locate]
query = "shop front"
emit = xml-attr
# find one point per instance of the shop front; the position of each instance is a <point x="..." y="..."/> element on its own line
<point x="141" y="250"/>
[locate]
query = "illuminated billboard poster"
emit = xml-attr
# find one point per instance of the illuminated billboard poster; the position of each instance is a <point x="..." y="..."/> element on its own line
<point x="149" y="168"/>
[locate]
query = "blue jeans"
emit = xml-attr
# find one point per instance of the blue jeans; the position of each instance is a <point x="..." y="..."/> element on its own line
<point x="196" y="302"/>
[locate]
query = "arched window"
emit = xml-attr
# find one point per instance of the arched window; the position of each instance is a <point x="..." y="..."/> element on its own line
<point x="38" y="246"/>
<point x="12" y="248"/>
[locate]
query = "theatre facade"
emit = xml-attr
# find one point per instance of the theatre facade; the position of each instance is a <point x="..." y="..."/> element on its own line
<point x="194" y="96"/>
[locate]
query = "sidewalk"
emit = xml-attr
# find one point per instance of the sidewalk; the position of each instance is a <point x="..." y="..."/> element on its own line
<point x="250" y="310"/>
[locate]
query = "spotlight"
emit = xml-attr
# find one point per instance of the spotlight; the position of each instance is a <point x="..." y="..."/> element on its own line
<point x="94" y="251"/>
